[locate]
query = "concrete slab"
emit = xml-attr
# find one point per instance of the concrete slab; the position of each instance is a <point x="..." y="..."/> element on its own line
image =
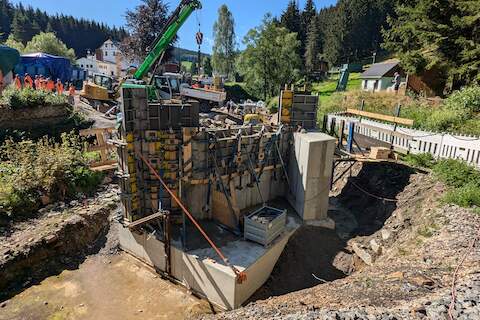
<point x="202" y="271"/>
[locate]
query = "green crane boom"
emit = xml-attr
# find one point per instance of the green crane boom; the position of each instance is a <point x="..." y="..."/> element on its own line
<point x="178" y="18"/>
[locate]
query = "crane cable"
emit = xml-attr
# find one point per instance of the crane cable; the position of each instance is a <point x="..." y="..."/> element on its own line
<point x="240" y="276"/>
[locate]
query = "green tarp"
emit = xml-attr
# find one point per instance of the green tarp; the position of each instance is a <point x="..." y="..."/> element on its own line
<point x="9" y="58"/>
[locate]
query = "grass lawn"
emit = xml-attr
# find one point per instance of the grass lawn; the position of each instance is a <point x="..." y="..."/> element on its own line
<point x="326" y="88"/>
<point x="187" y="65"/>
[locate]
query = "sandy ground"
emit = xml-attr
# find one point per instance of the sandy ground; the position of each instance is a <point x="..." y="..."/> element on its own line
<point x="104" y="287"/>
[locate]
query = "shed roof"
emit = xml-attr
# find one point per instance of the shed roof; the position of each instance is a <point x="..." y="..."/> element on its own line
<point x="378" y="70"/>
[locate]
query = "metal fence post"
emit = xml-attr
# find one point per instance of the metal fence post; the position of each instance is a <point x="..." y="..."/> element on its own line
<point x="351" y="132"/>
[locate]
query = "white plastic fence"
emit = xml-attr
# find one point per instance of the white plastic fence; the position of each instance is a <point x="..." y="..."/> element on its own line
<point x="439" y="145"/>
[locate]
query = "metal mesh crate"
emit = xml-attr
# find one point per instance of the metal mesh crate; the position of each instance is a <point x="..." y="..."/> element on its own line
<point x="265" y="225"/>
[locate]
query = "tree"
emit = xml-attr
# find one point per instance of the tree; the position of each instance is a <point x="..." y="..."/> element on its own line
<point x="79" y="34"/>
<point x="193" y="68"/>
<point x="312" y="50"/>
<point x="49" y="43"/>
<point x="6" y="13"/>
<point x="308" y="16"/>
<point x="145" y="25"/>
<point x="207" y="66"/>
<point x="291" y="18"/>
<point x="270" y="59"/>
<point x="442" y="35"/>
<point x="223" y="57"/>
<point x="14" y="43"/>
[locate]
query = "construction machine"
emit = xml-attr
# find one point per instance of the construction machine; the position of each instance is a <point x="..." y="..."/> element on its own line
<point x="100" y="92"/>
<point x="174" y="86"/>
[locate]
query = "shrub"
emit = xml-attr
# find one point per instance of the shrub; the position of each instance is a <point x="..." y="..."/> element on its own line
<point x="29" y="98"/>
<point x="456" y="173"/>
<point x="465" y="196"/>
<point x="30" y="170"/>
<point x="423" y="160"/>
<point x="467" y="99"/>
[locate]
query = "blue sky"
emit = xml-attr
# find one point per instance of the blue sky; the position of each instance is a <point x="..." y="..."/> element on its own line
<point x="247" y="14"/>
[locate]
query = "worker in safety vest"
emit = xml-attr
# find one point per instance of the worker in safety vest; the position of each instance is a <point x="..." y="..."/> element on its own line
<point x="28" y="81"/>
<point x="50" y="85"/>
<point x="59" y="86"/>
<point x="37" y="82"/>
<point x="71" y="94"/>
<point x="18" y="82"/>
<point x="42" y="85"/>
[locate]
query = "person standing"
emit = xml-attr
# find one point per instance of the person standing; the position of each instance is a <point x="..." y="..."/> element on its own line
<point x="50" y="85"/>
<point x="397" y="80"/>
<point x="59" y="87"/>
<point x="37" y="82"/>
<point x="28" y="81"/>
<point x="18" y="82"/>
<point x="71" y="94"/>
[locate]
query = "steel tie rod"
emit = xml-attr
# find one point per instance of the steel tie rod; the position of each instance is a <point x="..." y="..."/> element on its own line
<point x="240" y="276"/>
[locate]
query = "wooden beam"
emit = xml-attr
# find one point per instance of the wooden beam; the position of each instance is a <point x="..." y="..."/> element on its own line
<point x="144" y="220"/>
<point x="404" y="121"/>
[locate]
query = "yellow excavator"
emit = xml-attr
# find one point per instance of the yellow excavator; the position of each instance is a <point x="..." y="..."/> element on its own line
<point x="101" y="92"/>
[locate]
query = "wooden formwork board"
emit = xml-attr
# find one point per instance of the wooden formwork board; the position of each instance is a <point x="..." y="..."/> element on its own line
<point x="102" y="135"/>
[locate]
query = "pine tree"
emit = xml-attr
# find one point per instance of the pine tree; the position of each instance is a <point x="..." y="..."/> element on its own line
<point x="79" y="34"/>
<point x="291" y="18"/>
<point x="223" y="57"/>
<point x="6" y="13"/>
<point x="442" y="35"/>
<point x="312" y="50"/>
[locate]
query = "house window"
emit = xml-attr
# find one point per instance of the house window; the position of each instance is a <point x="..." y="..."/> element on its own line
<point x="106" y="53"/>
<point x="81" y="65"/>
<point x="365" y="84"/>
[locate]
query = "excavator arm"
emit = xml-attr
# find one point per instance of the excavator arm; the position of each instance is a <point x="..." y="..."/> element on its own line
<point x="178" y="18"/>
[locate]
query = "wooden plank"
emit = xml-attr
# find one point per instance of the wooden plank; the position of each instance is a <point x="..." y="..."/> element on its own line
<point x="404" y="121"/>
<point x="106" y="167"/>
<point x="144" y="220"/>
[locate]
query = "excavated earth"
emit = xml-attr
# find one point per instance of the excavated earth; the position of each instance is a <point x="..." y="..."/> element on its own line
<point x="65" y="264"/>
<point x="393" y="255"/>
<point x="58" y="238"/>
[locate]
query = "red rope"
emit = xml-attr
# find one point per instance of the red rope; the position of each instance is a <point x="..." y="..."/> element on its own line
<point x="241" y="276"/>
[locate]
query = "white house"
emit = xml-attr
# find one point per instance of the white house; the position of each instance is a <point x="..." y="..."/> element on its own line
<point x="379" y="77"/>
<point x="108" y="68"/>
<point x="109" y="51"/>
<point x="88" y="63"/>
<point x="107" y="60"/>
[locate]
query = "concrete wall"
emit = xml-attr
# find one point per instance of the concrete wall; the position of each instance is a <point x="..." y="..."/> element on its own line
<point x="310" y="171"/>
<point x="195" y="196"/>
<point x="144" y="247"/>
<point x="259" y="272"/>
<point x="205" y="276"/>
